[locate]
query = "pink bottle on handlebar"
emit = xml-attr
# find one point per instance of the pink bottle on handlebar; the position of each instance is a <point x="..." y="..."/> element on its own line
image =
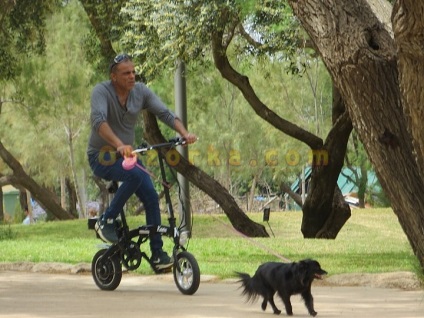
<point x="129" y="162"/>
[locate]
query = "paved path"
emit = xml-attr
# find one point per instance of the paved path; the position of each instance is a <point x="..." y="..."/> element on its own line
<point x="36" y="295"/>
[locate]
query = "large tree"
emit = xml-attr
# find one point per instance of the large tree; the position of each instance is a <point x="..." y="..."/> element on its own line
<point x="379" y="72"/>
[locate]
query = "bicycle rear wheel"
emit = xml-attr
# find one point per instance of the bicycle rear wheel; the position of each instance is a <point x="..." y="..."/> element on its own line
<point x="186" y="273"/>
<point x="107" y="273"/>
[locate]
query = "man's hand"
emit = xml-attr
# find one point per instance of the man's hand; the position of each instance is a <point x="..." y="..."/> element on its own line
<point x="125" y="150"/>
<point x="179" y="128"/>
<point x="190" y="138"/>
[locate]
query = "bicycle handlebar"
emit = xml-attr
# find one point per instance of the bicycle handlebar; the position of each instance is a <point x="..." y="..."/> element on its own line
<point x="173" y="142"/>
<point x="130" y="162"/>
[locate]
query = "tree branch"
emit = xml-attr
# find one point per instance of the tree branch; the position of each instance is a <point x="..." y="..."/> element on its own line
<point x="242" y="83"/>
<point x="296" y="197"/>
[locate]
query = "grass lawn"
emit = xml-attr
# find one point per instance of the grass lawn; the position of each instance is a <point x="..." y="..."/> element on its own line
<point x="372" y="241"/>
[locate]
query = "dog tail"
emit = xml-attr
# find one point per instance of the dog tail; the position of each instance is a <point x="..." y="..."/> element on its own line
<point x="249" y="286"/>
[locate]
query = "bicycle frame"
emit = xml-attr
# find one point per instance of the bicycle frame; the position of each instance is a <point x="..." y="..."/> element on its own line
<point x="143" y="232"/>
<point x="172" y="230"/>
<point x="106" y="266"/>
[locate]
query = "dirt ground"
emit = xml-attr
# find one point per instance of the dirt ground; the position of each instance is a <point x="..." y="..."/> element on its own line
<point x="50" y="290"/>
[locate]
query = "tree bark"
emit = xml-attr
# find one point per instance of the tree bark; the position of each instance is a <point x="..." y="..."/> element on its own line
<point x="204" y="182"/>
<point x="408" y="26"/>
<point x="360" y="53"/>
<point x="20" y="179"/>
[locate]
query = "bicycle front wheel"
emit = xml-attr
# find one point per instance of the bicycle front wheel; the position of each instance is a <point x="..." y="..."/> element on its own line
<point x="186" y="273"/>
<point x="107" y="273"/>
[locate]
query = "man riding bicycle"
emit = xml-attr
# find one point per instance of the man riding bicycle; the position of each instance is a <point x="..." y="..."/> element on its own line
<point x="115" y="107"/>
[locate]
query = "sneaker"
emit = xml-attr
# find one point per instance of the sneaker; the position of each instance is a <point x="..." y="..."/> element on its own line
<point x="161" y="260"/>
<point x="106" y="228"/>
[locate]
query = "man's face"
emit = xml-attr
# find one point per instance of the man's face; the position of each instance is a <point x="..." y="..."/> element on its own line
<point x="123" y="75"/>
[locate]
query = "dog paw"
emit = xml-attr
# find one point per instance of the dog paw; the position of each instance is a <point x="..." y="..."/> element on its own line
<point x="313" y="313"/>
<point x="277" y="312"/>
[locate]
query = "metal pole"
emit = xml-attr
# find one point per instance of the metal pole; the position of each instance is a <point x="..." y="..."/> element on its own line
<point x="181" y="112"/>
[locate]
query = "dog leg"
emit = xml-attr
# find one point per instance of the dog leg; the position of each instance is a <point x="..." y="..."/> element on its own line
<point x="309" y="302"/>
<point x="287" y="303"/>
<point x="264" y="303"/>
<point x="271" y="302"/>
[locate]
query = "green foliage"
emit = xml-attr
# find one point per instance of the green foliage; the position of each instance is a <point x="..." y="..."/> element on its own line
<point x="272" y="24"/>
<point x="22" y="32"/>
<point x="159" y="33"/>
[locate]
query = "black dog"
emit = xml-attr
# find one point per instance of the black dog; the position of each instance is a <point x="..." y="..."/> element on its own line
<point x="285" y="278"/>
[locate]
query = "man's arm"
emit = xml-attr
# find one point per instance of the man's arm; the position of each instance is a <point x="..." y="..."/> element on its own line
<point x="179" y="128"/>
<point x="109" y="136"/>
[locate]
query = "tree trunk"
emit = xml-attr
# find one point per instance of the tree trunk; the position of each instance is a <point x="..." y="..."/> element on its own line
<point x="1" y="205"/>
<point x="361" y="56"/>
<point x="408" y="25"/>
<point x="363" y="182"/>
<point x="20" y="179"/>
<point x="325" y="210"/>
<point x="23" y="203"/>
<point x="251" y="197"/>
<point x="72" y="197"/>
<point x="204" y="182"/>
<point x="63" y="192"/>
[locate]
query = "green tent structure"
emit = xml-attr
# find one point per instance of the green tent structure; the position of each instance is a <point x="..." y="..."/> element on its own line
<point x="344" y="182"/>
<point x="10" y="200"/>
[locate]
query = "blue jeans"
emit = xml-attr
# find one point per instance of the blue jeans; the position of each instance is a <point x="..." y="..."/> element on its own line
<point x="134" y="181"/>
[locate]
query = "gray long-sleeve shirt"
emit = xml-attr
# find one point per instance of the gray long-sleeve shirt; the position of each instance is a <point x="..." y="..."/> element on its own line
<point x="105" y="107"/>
